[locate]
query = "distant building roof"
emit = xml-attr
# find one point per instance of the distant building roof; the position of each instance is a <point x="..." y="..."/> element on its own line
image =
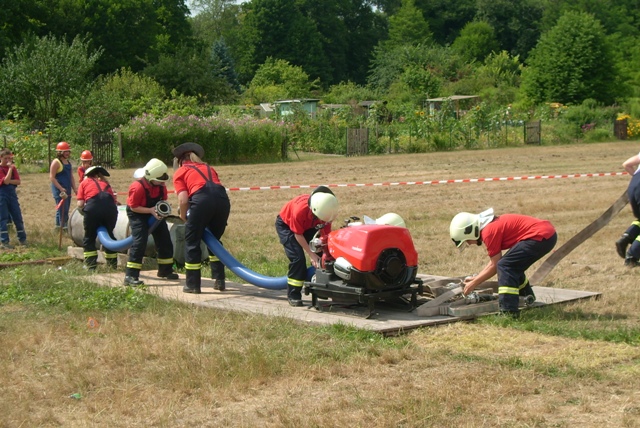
<point x="453" y="98"/>
<point x="300" y="100"/>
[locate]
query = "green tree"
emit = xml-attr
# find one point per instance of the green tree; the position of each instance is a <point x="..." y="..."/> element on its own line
<point x="18" y="18"/>
<point x="214" y="19"/>
<point x="446" y="18"/>
<point x="223" y="63"/>
<point x="39" y="74"/>
<point x="408" y="26"/>
<point x="277" y="79"/>
<point x="192" y="72"/>
<point x="476" y="41"/>
<point x="572" y="62"/>
<point x="516" y="22"/>
<point x="131" y="33"/>
<point x="278" y="29"/>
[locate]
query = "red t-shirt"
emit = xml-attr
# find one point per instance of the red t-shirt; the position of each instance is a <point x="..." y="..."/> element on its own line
<point x="80" y="174"/>
<point x="298" y="216"/>
<point x="138" y="197"/>
<point x="88" y="189"/>
<point x="4" y="170"/>
<point x="507" y="230"/>
<point x="189" y="180"/>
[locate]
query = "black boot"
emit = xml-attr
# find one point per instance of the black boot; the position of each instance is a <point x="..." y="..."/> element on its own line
<point x="219" y="284"/>
<point x="294" y="295"/>
<point x="112" y="260"/>
<point x="193" y="281"/>
<point x="631" y="262"/>
<point x="91" y="262"/>
<point x="217" y="274"/>
<point x="527" y="293"/>
<point x="509" y="305"/>
<point x="622" y="244"/>
<point x="132" y="281"/>
<point x="131" y="277"/>
<point x="165" y="271"/>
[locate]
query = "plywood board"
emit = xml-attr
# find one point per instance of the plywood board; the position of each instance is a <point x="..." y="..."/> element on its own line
<point x="251" y="299"/>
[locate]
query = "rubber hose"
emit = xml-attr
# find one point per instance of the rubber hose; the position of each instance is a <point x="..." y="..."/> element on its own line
<point x="125" y="243"/>
<point x="269" y="282"/>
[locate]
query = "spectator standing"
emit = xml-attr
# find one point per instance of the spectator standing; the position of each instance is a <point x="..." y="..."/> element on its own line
<point x="9" y="204"/>
<point x="62" y="183"/>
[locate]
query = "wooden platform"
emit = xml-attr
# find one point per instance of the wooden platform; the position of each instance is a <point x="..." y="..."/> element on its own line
<point x="387" y="320"/>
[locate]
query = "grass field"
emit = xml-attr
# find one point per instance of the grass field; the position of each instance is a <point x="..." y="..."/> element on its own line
<point x="162" y="364"/>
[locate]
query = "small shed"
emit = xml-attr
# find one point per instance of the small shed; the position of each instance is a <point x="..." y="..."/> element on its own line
<point x="286" y="107"/>
<point x="466" y="101"/>
<point x="266" y="110"/>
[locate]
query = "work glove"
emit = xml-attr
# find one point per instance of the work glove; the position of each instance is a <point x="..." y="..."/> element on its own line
<point x="64" y="195"/>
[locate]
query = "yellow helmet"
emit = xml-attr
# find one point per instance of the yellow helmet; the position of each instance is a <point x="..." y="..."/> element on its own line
<point x="156" y="170"/>
<point x="466" y="226"/>
<point x="391" y="219"/>
<point x="324" y="204"/>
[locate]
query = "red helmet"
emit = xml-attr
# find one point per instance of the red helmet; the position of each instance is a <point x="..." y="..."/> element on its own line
<point x="62" y="146"/>
<point x="86" y="156"/>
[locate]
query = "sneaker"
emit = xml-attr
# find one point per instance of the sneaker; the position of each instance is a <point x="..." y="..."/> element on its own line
<point x="190" y="290"/>
<point x="171" y="275"/>
<point x="132" y="281"/>
<point x="6" y="246"/>
<point x="219" y="284"/>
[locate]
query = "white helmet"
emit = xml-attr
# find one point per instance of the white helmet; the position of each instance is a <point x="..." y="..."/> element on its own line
<point x="466" y="226"/>
<point x="391" y="219"/>
<point x="156" y="170"/>
<point x="324" y="204"/>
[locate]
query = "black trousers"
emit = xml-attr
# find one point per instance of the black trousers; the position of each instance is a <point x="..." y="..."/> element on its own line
<point x="208" y="207"/>
<point x="512" y="267"/>
<point x="295" y="253"/>
<point x="98" y="211"/>
<point x="138" y="224"/>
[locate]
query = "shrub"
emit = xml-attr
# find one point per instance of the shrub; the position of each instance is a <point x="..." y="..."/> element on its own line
<point x="224" y="140"/>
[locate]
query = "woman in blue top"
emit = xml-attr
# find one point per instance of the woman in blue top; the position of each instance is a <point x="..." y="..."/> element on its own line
<point x="62" y="182"/>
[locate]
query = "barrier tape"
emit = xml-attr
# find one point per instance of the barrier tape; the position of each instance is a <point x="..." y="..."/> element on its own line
<point x="420" y="183"/>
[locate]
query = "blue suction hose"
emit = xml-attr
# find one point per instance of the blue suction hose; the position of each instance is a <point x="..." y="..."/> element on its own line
<point x="125" y="243"/>
<point x="262" y="281"/>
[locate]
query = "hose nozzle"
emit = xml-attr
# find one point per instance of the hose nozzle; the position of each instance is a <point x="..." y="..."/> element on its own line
<point x="163" y="209"/>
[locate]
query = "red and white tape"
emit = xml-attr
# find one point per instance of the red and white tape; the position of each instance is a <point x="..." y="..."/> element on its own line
<point x="421" y="183"/>
<point x="418" y="183"/>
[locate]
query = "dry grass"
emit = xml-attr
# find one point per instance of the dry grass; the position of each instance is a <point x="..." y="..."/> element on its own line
<point x="181" y="366"/>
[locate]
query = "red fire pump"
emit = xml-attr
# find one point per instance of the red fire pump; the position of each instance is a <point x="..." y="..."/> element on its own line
<point x="363" y="264"/>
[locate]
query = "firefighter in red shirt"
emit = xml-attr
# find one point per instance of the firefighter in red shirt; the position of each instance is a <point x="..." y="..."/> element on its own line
<point x="97" y="203"/>
<point x="144" y="194"/>
<point x="527" y="240"/>
<point x="296" y="225"/>
<point x="203" y="203"/>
